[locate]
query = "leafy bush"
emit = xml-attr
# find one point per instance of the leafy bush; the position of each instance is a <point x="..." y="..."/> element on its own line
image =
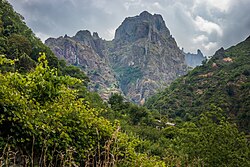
<point x="44" y="120"/>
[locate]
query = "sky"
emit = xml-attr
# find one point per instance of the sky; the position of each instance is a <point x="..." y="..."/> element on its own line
<point x="195" y="24"/>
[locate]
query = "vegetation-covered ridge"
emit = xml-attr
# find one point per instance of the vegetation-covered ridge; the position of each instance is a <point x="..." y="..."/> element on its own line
<point x="193" y="121"/>
<point x="209" y="139"/>
<point x="223" y="81"/>
<point x="48" y="118"/>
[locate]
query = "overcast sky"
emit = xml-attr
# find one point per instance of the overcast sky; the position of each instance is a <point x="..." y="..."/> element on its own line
<point x="195" y="24"/>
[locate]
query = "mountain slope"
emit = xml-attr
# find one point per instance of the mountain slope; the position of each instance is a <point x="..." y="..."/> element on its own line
<point x="145" y="56"/>
<point x="44" y="119"/>
<point x="224" y="81"/>
<point x="85" y="51"/>
<point x="142" y="58"/>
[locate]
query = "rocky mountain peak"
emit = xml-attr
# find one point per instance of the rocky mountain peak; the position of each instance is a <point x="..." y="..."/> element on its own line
<point x="199" y="52"/>
<point x="145" y="14"/>
<point x="84" y="37"/>
<point x="219" y="53"/>
<point x="193" y="60"/>
<point x="144" y="25"/>
<point x="95" y="35"/>
<point x="142" y="58"/>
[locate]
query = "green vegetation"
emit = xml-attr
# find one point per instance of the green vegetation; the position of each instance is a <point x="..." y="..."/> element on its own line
<point x="223" y="81"/>
<point x="208" y="139"/>
<point x="44" y="122"/>
<point x="128" y="75"/>
<point x="49" y="118"/>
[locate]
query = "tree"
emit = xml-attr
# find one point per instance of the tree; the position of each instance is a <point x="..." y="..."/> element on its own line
<point x="213" y="140"/>
<point x="45" y="123"/>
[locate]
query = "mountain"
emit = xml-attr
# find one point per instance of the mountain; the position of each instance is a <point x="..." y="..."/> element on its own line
<point x="49" y="119"/>
<point x="142" y="58"/>
<point x="85" y="51"/>
<point x="224" y="82"/>
<point x="193" y="60"/>
<point x="145" y="56"/>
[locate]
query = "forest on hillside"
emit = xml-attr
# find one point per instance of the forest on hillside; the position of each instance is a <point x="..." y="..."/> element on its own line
<point x="49" y="118"/>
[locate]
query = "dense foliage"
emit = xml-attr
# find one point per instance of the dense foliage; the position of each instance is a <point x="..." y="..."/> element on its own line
<point x="49" y="118"/>
<point x="208" y="139"/>
<point x="128" y="75"/>
<point x="45" y="123"/>
<point x="222" y="81"/>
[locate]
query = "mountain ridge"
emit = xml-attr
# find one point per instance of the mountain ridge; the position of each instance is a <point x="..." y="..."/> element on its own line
<point x="222" y="82"/>
<point x="194" y="59"/>
<point x="142" y="57"/>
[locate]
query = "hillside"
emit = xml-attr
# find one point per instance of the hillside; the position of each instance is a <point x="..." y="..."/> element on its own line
<point x="142" y="58"/>
<point x="49" y="119"/>
<point x="223" y="81"/>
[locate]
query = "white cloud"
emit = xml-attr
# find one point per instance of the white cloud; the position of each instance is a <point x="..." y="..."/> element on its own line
<point x="132" y="3"/>
<point x="210" y="45"/>
<point x="207" y="26"/>
<point x="200" y="38"/>
<point x="157" y="5"/>
<point x="110" y="33"/>
<point x="222" y="5"/>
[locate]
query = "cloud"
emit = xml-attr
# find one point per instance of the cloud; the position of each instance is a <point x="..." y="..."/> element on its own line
<point x="195" y="24"/>
<point x="132" y="3"/>
<point x="210" y="45"/>
<point x="207" y="26"/>
<point x="200" y="38"/>
<point x="222" y="5"/>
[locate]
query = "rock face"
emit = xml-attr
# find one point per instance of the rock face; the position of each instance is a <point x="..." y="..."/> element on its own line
<point x="193" y="60"/>
<point x="145" y="56"/>
<point x="85" y="51"/>
<point x="142" y="58"/>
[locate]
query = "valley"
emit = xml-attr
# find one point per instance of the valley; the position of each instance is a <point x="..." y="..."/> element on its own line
<point x="135" y="100"/>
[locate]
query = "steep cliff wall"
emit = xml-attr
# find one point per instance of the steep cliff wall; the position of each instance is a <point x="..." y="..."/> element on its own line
<point x="142" y="58"/>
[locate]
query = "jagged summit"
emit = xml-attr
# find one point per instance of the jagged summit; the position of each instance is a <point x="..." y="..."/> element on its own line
<point x="84" y="37"/>
<point x="144" y="25"/>
<point x="219" y="53"/>
<point x="145" y="14"/>
<point x="145" y="56"/>
<point x="194" y="59"/>
<point x="142" y="58"/>
<point x="199" y="51"/>
<point x="95" y="35"/>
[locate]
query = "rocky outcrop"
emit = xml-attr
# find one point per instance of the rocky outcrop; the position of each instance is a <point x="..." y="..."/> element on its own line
<point x="145" y="56"/>
<point x="84" y="50"/>
<point x="142" y="58"/>
<point x="193" y="60"/>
